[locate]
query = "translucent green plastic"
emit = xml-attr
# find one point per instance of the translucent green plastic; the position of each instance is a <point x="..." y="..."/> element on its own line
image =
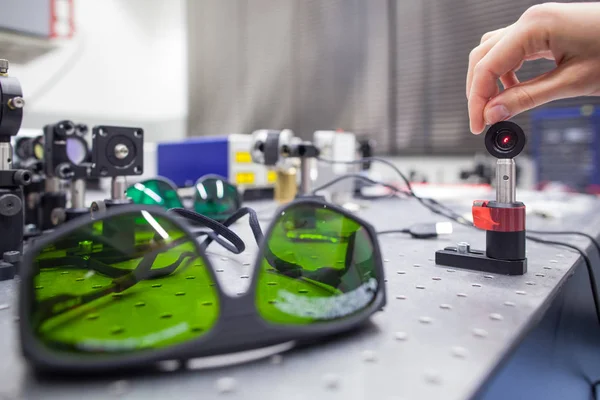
<point x="155" y="192"/>
<point x="216" y="198"/>
<point x="130" y="283"/>
<point x="318" y="266"/>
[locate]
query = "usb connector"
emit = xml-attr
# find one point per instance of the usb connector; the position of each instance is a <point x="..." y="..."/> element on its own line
<point x="424" y="231"/>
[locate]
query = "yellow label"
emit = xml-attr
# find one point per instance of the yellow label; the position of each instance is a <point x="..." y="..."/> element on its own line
<point x="271" y="177"/>
<point x="242" y="178"/>
<point x="243" y="157"/>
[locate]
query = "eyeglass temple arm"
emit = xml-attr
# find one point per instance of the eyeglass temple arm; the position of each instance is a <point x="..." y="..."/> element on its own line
<point x="218" y="228"/>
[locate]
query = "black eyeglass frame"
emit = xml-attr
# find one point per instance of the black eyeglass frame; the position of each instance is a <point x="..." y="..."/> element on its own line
<point x="239" y="326"/>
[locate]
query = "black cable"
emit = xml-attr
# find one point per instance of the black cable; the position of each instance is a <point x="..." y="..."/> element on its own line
<point x="590" y="237"/>
<point x="381" y="160"/>
<point x="431" y="204"/>
<point x="588" y="264"/>
<point x="359" y="177"/>
<point x="392" y="231"/>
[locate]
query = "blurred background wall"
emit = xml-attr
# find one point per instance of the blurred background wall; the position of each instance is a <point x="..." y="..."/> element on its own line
<point x="391" y="70"/>
<point x="125" y="65"/>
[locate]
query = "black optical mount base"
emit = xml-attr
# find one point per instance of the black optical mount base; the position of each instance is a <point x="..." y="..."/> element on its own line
<point x="477" y="260"/>
<point x="12" y="215"/>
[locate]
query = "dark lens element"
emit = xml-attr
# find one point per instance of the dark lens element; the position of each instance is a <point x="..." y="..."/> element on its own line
<point x="506" y="140"/>
<point x="128" y="283"/>
<point x="318" y="265"/>
<point x="216" y="198"/>
<point x="155" y="192"/>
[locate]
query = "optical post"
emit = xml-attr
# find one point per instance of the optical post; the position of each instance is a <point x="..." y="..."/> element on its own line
<point x="277" y="148"/>
<point x="118" y="153"/>
<point x="503" y="219"/>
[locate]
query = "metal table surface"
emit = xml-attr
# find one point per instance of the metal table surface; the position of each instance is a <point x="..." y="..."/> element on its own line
<point x="442" y="334"/>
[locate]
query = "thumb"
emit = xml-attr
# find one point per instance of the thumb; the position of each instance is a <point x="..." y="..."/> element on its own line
<point x="524" y="96"/>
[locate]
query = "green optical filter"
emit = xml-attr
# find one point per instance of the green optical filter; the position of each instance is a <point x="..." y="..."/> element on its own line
<point x="159" y="192"/>
<point x="216" y="198"/>
<point x="99" y="292"/>
<point x="318" y="266"/>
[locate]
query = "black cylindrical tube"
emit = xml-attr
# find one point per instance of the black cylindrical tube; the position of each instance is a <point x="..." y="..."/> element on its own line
<point x="11" y="224"/>
<point x="505" y="245"/>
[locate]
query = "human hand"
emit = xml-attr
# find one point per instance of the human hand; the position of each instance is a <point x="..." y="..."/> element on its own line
<point x="566" y="33"/>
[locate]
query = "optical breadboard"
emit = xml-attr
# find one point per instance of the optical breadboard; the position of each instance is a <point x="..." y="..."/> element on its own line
<point x="444" y="333"/>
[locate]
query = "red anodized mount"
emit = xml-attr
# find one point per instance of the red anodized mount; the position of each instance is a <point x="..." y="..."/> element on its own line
<point x="498" y="219"/>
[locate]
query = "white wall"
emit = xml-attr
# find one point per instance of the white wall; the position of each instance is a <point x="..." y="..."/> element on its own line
<point x="126" y="65"/>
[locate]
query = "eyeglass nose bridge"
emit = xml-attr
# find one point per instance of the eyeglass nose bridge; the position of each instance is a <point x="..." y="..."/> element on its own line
<point x="240" y="305"/>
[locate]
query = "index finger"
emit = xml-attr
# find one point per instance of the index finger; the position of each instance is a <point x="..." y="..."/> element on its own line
<point x="508" y="53"/>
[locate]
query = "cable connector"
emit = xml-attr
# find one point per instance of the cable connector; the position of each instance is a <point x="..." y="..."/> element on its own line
<point x="426" y="231"/>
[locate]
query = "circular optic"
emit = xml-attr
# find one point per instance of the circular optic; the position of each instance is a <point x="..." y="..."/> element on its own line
<point x="506" y="140"/>
<point x="77" y="150"/>
<point x="23" y="147"/>
<point x="121" y="151"/>
<point x="38" y="148"/>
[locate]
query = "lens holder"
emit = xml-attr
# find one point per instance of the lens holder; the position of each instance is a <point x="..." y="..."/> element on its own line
<point x="505" y="140"/>
<point x="118" y="151"/>
<point x="56" y="155"/>
<point x="502" y="220"/>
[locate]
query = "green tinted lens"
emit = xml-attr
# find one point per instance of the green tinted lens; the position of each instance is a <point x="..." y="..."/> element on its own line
<point x="216" y="198"/>
<point x="129" y="283"/>
<point x="318" y="265"/>
<point x="155" y="192"/>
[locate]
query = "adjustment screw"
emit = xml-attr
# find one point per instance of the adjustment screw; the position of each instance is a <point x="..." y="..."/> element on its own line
<point x="16" y="103"/>
<point x="3" y="66"/>
<point x="10" y="205"/>
<point x="463" y="248"/>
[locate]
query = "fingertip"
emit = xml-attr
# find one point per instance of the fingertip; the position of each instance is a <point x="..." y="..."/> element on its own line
<point x="475" y="130"/>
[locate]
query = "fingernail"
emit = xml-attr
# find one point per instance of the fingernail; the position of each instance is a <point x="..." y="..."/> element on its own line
<point x="496" y="114"/>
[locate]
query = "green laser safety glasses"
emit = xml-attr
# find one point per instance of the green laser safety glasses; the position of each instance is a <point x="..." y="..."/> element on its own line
<point x="134" y="287"/>
<point x="214" y="197"/>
